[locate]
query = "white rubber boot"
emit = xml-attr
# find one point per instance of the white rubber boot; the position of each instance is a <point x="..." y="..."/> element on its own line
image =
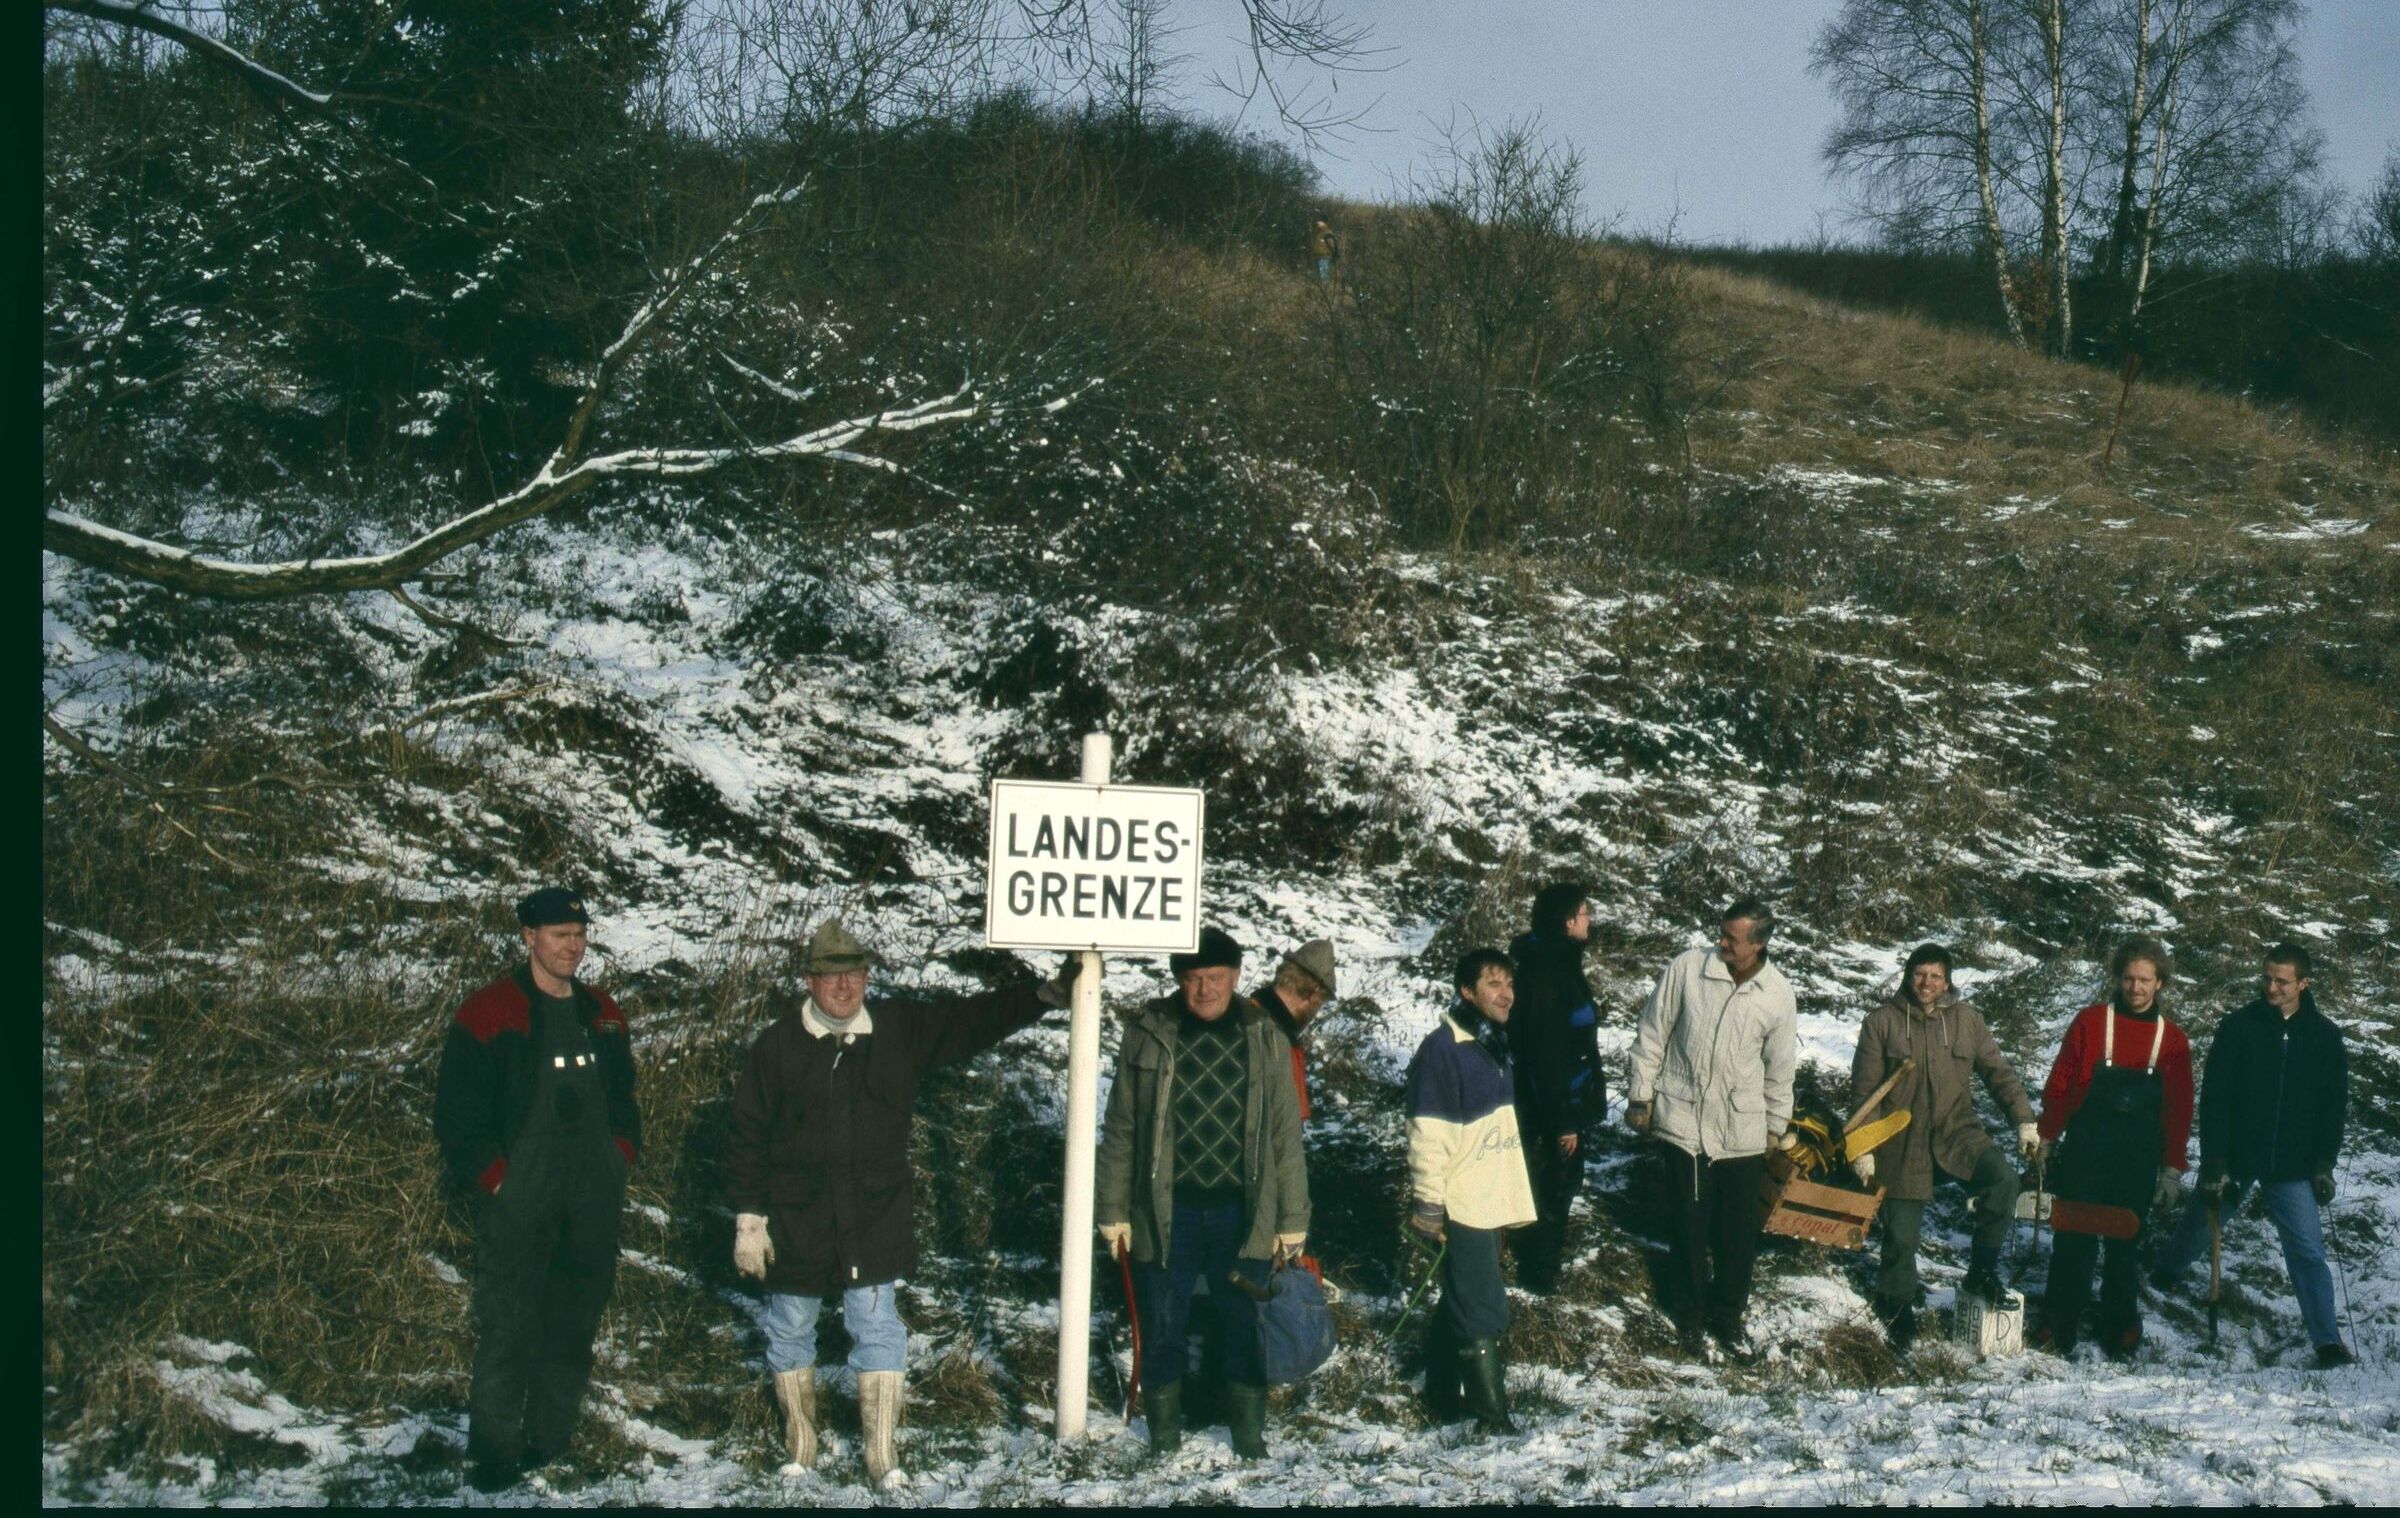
<point x="796" y="1394"/>
<point x="879" y="1413"/>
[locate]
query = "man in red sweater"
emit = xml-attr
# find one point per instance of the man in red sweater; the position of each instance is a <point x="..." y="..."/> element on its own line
<point x="2118" y="1110"/>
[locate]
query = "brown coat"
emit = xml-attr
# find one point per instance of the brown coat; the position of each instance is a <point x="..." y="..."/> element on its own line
<point x="819" y="1134"/>
<point x="1949" y="1043"/>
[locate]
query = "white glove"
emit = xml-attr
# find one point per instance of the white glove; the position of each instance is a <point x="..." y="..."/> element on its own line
<point x="753" y="1251"/>
<point x="2029" y="1138"/>
<point x="1787" y="1139"/>
<point x="1116" y="1236"/>
<point x="1865" y="1166"/>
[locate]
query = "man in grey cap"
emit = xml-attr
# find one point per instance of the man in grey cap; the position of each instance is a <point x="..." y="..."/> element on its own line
<point x="1200" y="1175"/>
<point x="817" y="1171"/>
<point x="534" y="1112"/>
<point x="1303" y="984"/>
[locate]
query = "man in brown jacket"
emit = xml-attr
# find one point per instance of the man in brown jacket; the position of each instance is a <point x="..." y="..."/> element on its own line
<point x="817" y="1171"/>
<point x="1926" y="1022"/>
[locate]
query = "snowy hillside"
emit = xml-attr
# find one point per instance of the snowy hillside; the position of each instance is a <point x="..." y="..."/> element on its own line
<point x="1908" y="697"/>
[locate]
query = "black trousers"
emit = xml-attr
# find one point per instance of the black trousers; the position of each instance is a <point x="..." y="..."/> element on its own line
<point x="545" y="1263"/>
<point x="1557" y="1178"/>
<point x="1714" y="1213"/>
<point x="1474" y="1301"/>
<point x="2070" y="1287"/>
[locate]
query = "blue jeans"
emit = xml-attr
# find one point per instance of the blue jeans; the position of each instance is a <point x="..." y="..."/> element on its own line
<point x="2292" y="1207"/>
<point x="1200" y="1241"/>
<point x="878" y="1339"/>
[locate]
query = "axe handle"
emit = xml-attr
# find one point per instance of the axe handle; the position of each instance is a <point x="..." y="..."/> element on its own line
<point x="1881" y="1092"/>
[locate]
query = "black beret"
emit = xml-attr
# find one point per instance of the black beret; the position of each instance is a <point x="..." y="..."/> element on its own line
<point x="550" y="906"/>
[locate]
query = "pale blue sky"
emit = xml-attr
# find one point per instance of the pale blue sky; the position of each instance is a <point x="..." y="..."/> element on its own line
<point x="1702" y="105"/>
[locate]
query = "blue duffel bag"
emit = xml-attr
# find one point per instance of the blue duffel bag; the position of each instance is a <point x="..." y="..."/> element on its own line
<point x="1295" y="1326"/>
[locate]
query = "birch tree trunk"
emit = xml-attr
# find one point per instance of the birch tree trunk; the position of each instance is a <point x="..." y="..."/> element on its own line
<point x="2177" y="51"/>
<point x="2054" y="196"/>
<point x="2137" y="109"/>
<point x="1979" y="52"/>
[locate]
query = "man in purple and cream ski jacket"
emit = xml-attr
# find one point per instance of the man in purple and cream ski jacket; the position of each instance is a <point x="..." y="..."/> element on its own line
<point x="1468" y="1185"/>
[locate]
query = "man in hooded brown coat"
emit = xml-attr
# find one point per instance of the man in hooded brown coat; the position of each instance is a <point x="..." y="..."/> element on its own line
<point x="1926" y="1022"/>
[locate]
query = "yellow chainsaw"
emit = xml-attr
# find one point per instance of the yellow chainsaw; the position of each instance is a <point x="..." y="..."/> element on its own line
<point x="1822" y="1147"/>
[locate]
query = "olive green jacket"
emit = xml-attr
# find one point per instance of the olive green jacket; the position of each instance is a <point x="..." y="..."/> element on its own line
<point x="1135" y="1175"/>
<point x="1951" y="1047"/>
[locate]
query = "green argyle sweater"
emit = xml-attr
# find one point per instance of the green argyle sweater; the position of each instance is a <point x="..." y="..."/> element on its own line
<point x="1212" y="1081"/>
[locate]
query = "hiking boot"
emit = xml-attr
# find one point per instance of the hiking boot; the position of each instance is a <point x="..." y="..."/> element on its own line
<point x="1690" y="1341"/>
<point x="1163" y="1406"/>
<point x="1734" y="1339"/>
<point x="2334" y="1356"/>
<point x="1246" y="1420"/>
<point x="490" y="1476"/>
<point x="1899" y="1327"/>
<point x="2121" y="1344"/>
<point x="1486" y="1372"/>
<point x="1984" y="1280"/>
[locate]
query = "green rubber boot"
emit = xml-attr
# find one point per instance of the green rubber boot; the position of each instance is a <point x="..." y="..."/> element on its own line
<point x="1487" y="1385"/>
<point x="1163" y="1406"/>
<point x="1246" y="1420"/>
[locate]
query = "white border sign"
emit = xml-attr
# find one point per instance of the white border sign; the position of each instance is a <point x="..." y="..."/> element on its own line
<point x="1114" y="868"/>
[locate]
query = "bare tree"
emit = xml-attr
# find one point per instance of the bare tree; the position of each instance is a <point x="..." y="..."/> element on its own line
<point x="574" y="465"/>
<point x="1914" y="79"/>
<point x="2214" y="132"/>
<point x="1981" y="123"/>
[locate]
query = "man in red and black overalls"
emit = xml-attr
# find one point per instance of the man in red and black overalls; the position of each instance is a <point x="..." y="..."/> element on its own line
<point x="534" y="1112"/>
<point x="2118" y="1109"/>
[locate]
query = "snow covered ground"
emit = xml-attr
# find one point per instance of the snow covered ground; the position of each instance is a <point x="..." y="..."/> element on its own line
<point x="1490" y="750"/>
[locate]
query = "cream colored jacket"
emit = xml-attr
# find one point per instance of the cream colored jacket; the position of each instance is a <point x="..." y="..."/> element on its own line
<point x="1715" y="1059"/>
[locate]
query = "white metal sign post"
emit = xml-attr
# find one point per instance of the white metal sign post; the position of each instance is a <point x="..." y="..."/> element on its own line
<point x="1087" y="867"/>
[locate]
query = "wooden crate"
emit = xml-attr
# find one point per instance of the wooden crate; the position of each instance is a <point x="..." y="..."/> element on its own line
<point x="1799" y="1208"/>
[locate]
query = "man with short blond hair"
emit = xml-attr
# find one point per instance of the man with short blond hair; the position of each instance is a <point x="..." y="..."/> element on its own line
<point x="535" y="1115"/>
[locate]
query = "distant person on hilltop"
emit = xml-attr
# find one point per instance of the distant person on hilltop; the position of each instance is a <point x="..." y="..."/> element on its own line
<point x="1554" y="1034"/>
<point x="817" y="1172"/>
<point x="1201" y="1175"/>
<point x="2272" y="1104"/>
<point x="1712" y="1081"/>
<point x="2118" y="1109"/>
<point x="534" y="1112"/>
<point x="1467" y="1186"/>
<point x="1947" y="1044"/>
<point x="1324" y="249"/>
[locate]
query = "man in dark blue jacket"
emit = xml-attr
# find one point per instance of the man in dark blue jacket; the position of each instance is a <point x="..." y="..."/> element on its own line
<point x="1561" y="1095"/>
<point x="535" y="1115"/>
<point x="2272" y="1102"/>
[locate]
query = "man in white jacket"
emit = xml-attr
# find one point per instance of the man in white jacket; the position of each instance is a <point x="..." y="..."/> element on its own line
<point x="1712" y="1080"/>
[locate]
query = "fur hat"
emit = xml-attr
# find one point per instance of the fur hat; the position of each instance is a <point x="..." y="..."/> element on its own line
<point x="1216" y="948"/>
